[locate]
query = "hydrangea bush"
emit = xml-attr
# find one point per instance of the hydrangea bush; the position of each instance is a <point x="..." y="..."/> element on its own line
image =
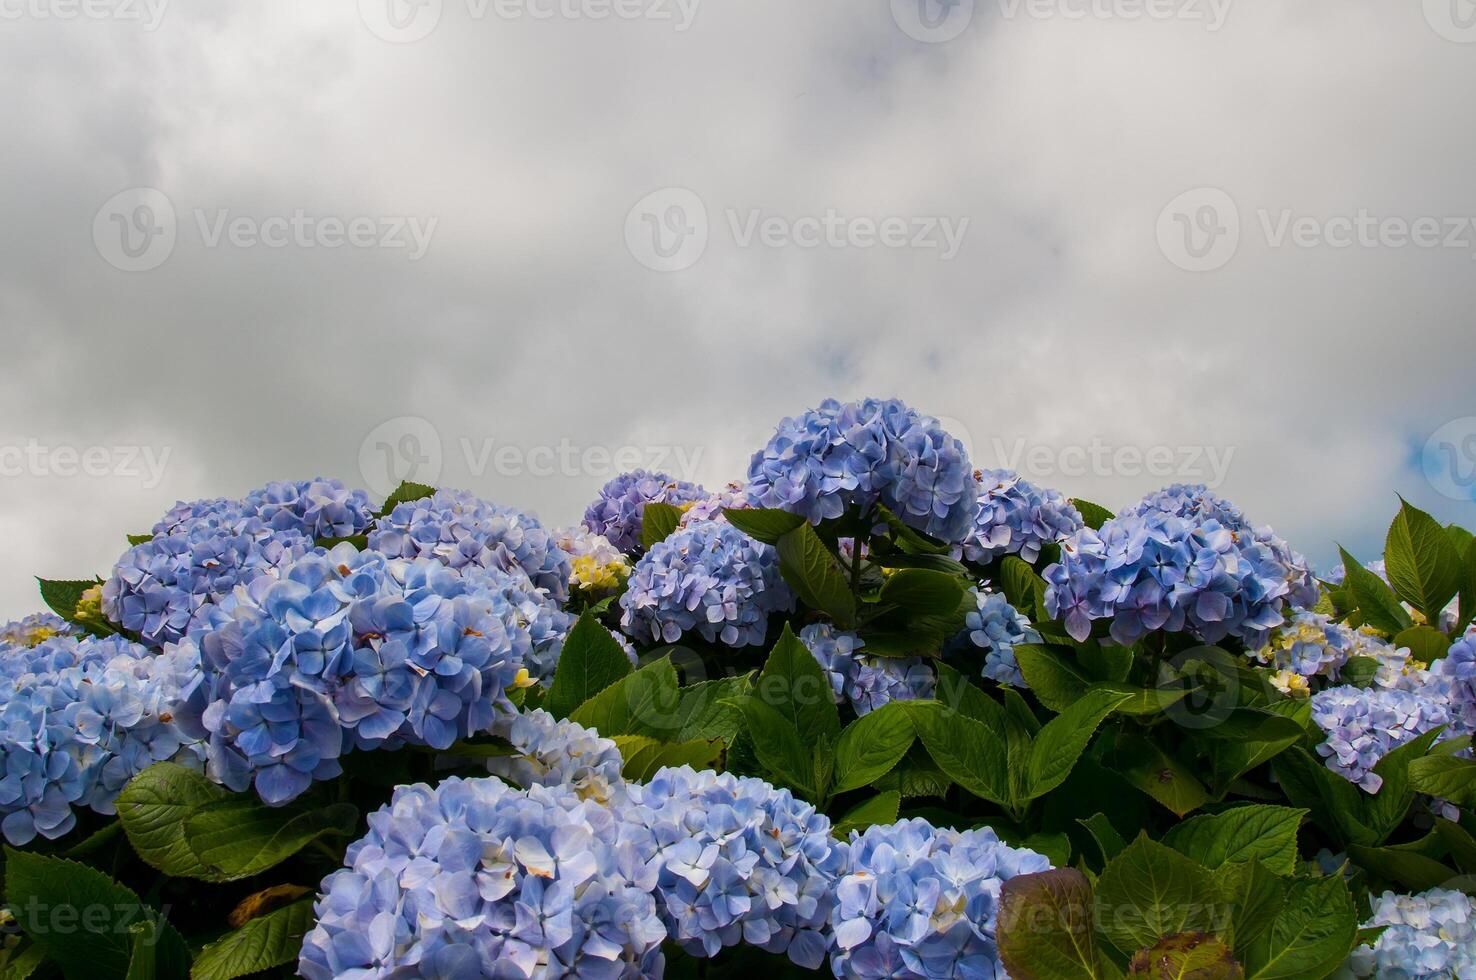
<point x="868" y="712"/>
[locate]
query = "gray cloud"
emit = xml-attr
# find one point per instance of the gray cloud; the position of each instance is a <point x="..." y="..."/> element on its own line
<point x="529" y="322"/>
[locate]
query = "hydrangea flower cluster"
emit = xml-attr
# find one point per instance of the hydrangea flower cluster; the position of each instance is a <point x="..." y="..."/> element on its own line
<point x="916" y="901"/>
<point x="33" y="629"/>
<point x="734" y="496"/>
<point x="1364" y="725"/>
<point x="317" y="508"/>
<point x="556" y="753"/>
<point x="1312" y="645"/>
<point x="866" y="682"/>
<point x="1195" y="502"/>
<point x="1455" y="674"/>
<point x="350" y="649"/>
<point x="711" y="578"/>
<point x="167" y="586"/>
<point x="78" y="719"/>
<point x="473" y="878"/>
<point x="1159" y="571"/>
<point x="616" y="513"/>
<point x="1016" y="517"/>
<point x="996" y="627"/>
<point x="838" y="457"/>
<point x="596" y="565"/>
<point x="1430" y="936"/>
<point x="739" y="861"/>
<point x="458" y="529"/>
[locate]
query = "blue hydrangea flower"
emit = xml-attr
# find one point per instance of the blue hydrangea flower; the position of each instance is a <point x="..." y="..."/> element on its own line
<point x="1156" y="570"/>
<point x="350" y="649"/>
<point x="1311" y="645"/>
<point x="918" y="901"/>
<point x="840" y="457"/>
<point x="459" y="529"/>
<point x="1455" y="673"/>
<point x="996" y="627"/>
<point x="33" y="629"/>
<point x="317" y="508"/>
<point x="78" y="719"/>
<point x="1196" y="503"/>
<point x="1430" y="936"/>
<point x="164" y="588"/>
<point x="739" y="861"/>
<point x="616" y="513"/>
<point x="557" y="753"/>
<point x="863" y="681"/>
<point x="1016" y="517"/>
<point x="1364" y="725"/>
<point x="473" y="878"/>
<point x="733" y="496"/>
<point x="711" y="578"/>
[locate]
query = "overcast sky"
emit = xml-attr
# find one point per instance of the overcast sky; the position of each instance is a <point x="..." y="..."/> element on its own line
<point x="517" y="243"/>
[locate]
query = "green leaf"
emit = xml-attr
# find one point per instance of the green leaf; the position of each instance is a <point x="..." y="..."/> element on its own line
<point x="1150" y="892"/>
<point x="1106" y="837"/>
<point x="1105" y="662"/>
<point x="1422" y="563"/>
<point x="909" y="539"/>
<point x="134" y="540"/>
<point x="922" y="592"/>
<point x="1385" y="811"/>
<point x="1414" y="871"/>
<point x="1425" y="644"/>
<point x="1468" y="588"/>
<point x="1359" y="671"/>
<point x="20" y="960"/>
<point x="152" y="809"/>
<point x="1064" y="738"/>
<point x="763" y="524"/>
<point x="1334" y="802"/>
<point x="81" y="919"/>
<point x="1022" y="586"/>
<point x="646" y="702"/>
<point x="643" y="755"/>
<point x="954" y="690"/>
<point x="881" y="808"/>
<point x="937" y="563"/>
<point x="1445" y="776"/>
<point x="871" y="745"/>
<point x="1459" y="843"/>
<point x="1255" y="896"/>
<point x="1052" y="675"/>
<point x="964" y="749"/>
<point x="240" y="836"/>
<point x="1143" y="764"/>
<point x="779" y="748"/>
<point x="1142" y="702"/>
<point x="591" y="661"/>
<point x="1256" y="740"/>
<point x="814" y="574"/>
<point x="1310" y="937"/>
<point x="793" y="683"/>
<point x="1244" y="833"/>
<point x="702" y="713"/>
<point x="274" y="939"/>
<point x="1376" y="601"/>
<point x="658" y="521"/>
<point x="915" y="777"/>
<point x="1187" y="956"/>
<point x="62" y="597"/>
<point x="403" y="494"/>
<point x="1044" y="926"/>
<point x="1092" y="515"/>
